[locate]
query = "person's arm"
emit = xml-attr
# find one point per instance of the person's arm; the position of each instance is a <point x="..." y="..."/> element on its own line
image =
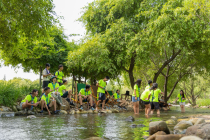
<point x="99" y="86"/>
<point x="45" y="74"/>
<point x="135" y="92"/>
<point x="149" y="96"/>
<point x="47" y="109"/>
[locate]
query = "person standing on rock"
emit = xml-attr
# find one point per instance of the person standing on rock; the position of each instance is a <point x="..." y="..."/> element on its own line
<point x="30" y="101"/>
<point x="181" y="96"/>
<point x="144" y="98"/>
<point x="101" y="92"/>
<point x="135" y="96"/>
<point x="46" y="76"/>
<point x="153" y="96"/>
<point x="149" y="84"/>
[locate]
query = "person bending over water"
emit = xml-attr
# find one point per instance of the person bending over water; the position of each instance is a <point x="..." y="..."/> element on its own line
<point x="153" y="96"/>
<point x="30" y="101"/>
<point x="117" y="98"/>
<point x="135" y="96"/>
<point x="181" y="96"/>
<point x="85" y="96"/>
<point x="46" y="104"/>
<point x="144" y="98"/>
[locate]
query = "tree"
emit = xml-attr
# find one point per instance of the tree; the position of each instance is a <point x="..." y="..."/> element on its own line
<point x="24" y="23"/>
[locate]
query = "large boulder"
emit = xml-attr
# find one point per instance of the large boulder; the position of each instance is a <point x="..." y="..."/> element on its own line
<point x="193" y="120"/>
<point x="166" y="137"/>
<point x="115" y="111"/>
<point x="170" y="121"/>
<point x="130" y="119"/>
<point x="31" y="117"/>
<point x="190" y="138"/>
<point x="94" y="138"/>
<point x="179" y="120"/>
<point x="154" y="135"/>
<point x="158" y="126"/>
<point x="199" y="121"/>
<point x="183" y="125"/>
<point x="63" y="112"/>
<point x="200" y="130"/>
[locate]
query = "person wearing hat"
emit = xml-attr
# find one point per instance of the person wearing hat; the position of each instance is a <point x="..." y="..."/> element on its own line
<point x="153" y="96"/>
<point x="60" y="75"/>
<point x="149" y="85"/>
<point x="135" y="96"/>
<point x="54" y="86"/>
<point x="46" y="76"/>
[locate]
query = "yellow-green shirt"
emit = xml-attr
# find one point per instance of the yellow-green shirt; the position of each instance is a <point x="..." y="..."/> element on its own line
<point x="116" y="96"/>
<point x="85" y="93"/>
<point x="154" y="95"/>
<point x="60" y="76"/>
<point x="180" y="98"/>
<point x="46" y="98"/>
<point x="61" y="89"/>
<point x="137" y="90"/>
<point x="53" y="86"/>
<point x="29" y="98"/>
<point x="145" y="95"/>
<point x="101" y="83"/>
<point x="147" y="87"/>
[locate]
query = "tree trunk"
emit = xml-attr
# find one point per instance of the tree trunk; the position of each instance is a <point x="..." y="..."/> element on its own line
<point x="130" y="71"/>
<point x="40" y="78"/>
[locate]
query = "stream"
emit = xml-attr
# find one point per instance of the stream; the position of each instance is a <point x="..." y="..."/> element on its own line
<point x="81" y="126"/>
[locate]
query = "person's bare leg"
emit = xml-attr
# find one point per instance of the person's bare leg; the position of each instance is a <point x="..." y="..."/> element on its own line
<point x="103" y="104"/>
<point x="148" y="110"/>
<point x="90" y="100"/>
<point x="69" y="94"/>
<point x="97" y="104"/>
<point x="152" y="111"/>
<point x="134" y="107"/>
<point x="53" y="103"/>
<point x="158" y="111"/>
<point x="80" y="100"/>
<point x="137" y="108"/>
<point x="42" y="104"/>
<point x="183" y="109"/>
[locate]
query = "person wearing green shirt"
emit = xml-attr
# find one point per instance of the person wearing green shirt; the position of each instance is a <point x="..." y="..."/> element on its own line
<point x="117" y="97"/>
<point x="135" y="96"/>
<point x="85" y="96"/>
<point x="45" y="101"/>
<point x="54" y="86"/>
<point x="153" y="96"/>
<point x="145" y="100"/>
<point x="181" y="96"/>
<point x="101" y="92"/>
<point x="64" y="93"/>
<point x="149" y="84"/>
<point x="30" y="100"/>
<point x="60" y="75"/>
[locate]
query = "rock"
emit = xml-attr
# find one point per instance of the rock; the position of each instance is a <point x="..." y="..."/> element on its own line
<point x="145" y="137"/>
<point x="108" y="111"/>
<point x="158" y="126"/>
<point x="173" y="117"/>
<point x="20" y="113"/>
<point x="170" y="121"/>
<point x="77" y="112"/>
<point x="183" y="117"/>
<point x="5" y="109"/>
<point x="193" y="120"/>
<point x="94" y="138"/>
<point x="200" y="121"/>
<point x="14" y="109"/>
<point x="103" y="111"/>
<point x="190" y="138"/>
<point x="7" y="114"/>
<point x="207" y="121"/>
<point x="169" y="137"/>
<point x="140" y="125"/>
<point x="63" y="112"/>
<point x="183" y="125"/>
<point x="72" y="112"/>
<point x="18" y="108"/>
<point x="179" y="120"/>
<point x="31" y="117"/>
<point x="130" y="119"/>
<point x="115" y="111"/>
<point x="200" y="130"/>
<point x="133" y="126"/>
<point x="177" y="131"/>
<point x="154" y="135"/>
<point x="89" y="111"/>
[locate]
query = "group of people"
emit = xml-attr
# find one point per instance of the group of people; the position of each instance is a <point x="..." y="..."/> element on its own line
<point x="54" y="89"/>
<point x="150" y="98"/>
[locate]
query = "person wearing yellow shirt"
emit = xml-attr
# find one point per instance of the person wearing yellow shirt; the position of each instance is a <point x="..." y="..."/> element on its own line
<point x="181" y="96"/>
<point x="153" y="96"/>
<point x="117" y="97"/>
<point x="145" y="100"/>
<point x="101" y="91"/>
<point x="149" y="84"/>
<point x="46" y="104"/>
<point x="30" y="100"/>
<point x="60" y="75"/>
<point x="135" y="96"/>
<point x="85" y="96"/>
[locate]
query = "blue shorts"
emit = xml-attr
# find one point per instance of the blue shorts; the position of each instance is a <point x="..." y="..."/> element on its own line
<point x="134" y="100"/>
<point x="118" y="100"/>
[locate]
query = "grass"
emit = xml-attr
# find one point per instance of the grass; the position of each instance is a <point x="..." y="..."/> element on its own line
<point x="203" y="102"/>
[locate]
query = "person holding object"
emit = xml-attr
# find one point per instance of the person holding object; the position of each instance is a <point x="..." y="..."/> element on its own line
<point x="153" y="96"/>
<point x="46" y="76"/>
<point x="60" y="75"/>
<point x="181" y="96"/>
<point x="101" y="92"/>
<point x="135" y="96"/>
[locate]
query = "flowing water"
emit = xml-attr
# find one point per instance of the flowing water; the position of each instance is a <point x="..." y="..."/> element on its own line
<point x="81" y="126"/>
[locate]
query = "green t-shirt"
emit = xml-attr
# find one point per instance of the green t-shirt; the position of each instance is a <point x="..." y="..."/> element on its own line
<point x="180" y="98"/>
<point x="117" y="96"/>
<point x="29" y="98"/>
<point x="85" y="93"/>
<point x="145" y="94"/>
<point x="137" y="90"/>
<point x="53" y="86"/>
<point x="147" y="87"/>
<point x="154" y="95"/>
<point x="46" y="98"/>
<point x="61" y="89"/>
<point x="101" y="83"/>
<point x="60" y="76"/>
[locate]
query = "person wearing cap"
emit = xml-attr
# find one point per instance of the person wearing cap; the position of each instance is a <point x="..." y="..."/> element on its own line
<point x="60" y="75"/>
<point x="153" y="96"/>
<point x="54" y="86"/>
<point x="46" y="76"/>
<point x="135" y="96"/>
<point x="101" y="91"/>
<point x="149" y="85"/>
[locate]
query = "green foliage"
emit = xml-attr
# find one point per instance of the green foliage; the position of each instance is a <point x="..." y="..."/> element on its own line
<point x="203" y="102"/>
<point x="15" y="90"/>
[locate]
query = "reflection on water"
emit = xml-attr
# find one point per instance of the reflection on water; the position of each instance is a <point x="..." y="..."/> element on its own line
<point x="82" y="126"/>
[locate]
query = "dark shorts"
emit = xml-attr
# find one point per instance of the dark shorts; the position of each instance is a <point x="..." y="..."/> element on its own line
<point x="163" y="105"/>
<point x="101" y="96"/>
<point x="146" y="103"/>
<point x="155" y="105"/>
<point x="65" y="94"/>
<point x="85" y="100"/>
<point x="45" y="84"/>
